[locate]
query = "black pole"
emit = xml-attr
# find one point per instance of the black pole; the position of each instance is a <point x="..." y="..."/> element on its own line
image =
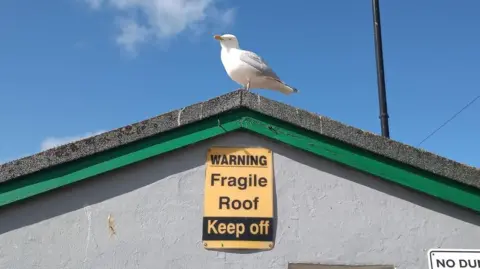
<point x="382" y="96"/>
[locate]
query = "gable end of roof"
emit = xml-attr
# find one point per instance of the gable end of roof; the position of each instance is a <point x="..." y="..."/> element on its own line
<point x="211" y="118"/>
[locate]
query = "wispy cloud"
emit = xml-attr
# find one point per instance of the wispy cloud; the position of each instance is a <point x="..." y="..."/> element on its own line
<point x="51" y="142"/>
<point x="80" y="45"/>
<point x="6" y="160"/>
<point x="140" y="21"/>
<point x="95" y="4"/>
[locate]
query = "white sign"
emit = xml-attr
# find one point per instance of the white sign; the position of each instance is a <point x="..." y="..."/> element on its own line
<point x="453" y="258"/>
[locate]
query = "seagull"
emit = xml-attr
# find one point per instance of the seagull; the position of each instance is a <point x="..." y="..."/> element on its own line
<point x="247" y="68"/>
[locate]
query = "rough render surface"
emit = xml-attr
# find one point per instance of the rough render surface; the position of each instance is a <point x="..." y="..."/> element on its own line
<point x="326" y="214"/>
<point x="301" y="118"/>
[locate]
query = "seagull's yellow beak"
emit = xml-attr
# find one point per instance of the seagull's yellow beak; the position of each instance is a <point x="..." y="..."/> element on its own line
<point x="217" y="37"/>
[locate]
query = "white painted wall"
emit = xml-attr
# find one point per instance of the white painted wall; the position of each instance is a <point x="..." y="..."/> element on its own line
<point x="326" y="214"/>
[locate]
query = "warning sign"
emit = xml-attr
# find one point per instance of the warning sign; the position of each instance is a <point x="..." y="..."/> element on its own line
<point x="238" y="209"/>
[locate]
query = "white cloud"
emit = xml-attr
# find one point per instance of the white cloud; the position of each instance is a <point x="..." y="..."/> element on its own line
<point x="95" y="4"/>
<point x="6" y="160"/>
<point x="51" y="142"/>
<point x="131" y="34"/>
<point x="80" y="45"/>
<point x="160" y="20"/>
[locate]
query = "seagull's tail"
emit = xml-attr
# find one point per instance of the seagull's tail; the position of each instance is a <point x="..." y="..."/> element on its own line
<point x="283" y="87"/>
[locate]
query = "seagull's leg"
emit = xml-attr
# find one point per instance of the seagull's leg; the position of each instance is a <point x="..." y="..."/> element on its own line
<point x="247" y="87"/>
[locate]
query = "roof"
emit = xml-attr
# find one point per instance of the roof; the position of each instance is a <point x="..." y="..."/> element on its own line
<point x="241" y="110"/>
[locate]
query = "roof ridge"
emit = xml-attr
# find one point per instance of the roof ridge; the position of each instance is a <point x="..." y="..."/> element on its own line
<point x="323" y="125"/>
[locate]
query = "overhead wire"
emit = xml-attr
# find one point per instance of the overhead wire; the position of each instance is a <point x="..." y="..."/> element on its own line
<point x="447" y="121"/>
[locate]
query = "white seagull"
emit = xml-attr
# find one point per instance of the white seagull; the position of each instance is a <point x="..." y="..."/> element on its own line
<point x="248" y="69"/>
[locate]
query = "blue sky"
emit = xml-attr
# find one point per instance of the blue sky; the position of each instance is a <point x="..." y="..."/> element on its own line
<point x="71" y="68"/>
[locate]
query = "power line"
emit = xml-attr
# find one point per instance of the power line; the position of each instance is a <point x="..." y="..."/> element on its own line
<point x="454" y="116"/>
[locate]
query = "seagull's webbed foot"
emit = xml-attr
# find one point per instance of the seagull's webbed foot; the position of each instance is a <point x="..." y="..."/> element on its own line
<point x="245" y="87"/>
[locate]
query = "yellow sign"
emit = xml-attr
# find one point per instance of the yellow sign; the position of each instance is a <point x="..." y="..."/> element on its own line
<point x="238" y="209"/>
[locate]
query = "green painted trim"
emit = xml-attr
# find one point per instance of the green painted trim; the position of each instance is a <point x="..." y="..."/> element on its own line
<point x="56" y="177"/>
<point x="40" y="182"/>
<point x="405" y="175"/>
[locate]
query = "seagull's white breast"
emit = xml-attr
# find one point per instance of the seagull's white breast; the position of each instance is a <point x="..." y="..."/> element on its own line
<point x="237" y="70"/>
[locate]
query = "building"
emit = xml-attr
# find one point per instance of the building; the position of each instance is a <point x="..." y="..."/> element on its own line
<point x="134" y="197"/>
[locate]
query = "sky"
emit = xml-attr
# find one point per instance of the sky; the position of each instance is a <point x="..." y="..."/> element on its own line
<point x="74" y="68"/>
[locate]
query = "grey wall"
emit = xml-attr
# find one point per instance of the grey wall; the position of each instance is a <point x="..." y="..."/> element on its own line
<point x="326" y="213"/>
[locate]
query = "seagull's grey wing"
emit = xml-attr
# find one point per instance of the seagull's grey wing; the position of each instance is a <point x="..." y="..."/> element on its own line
<point x="258" y="63"/>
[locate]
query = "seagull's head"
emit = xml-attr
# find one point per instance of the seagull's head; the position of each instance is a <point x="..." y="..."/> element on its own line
<point x="227" y="41"/>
